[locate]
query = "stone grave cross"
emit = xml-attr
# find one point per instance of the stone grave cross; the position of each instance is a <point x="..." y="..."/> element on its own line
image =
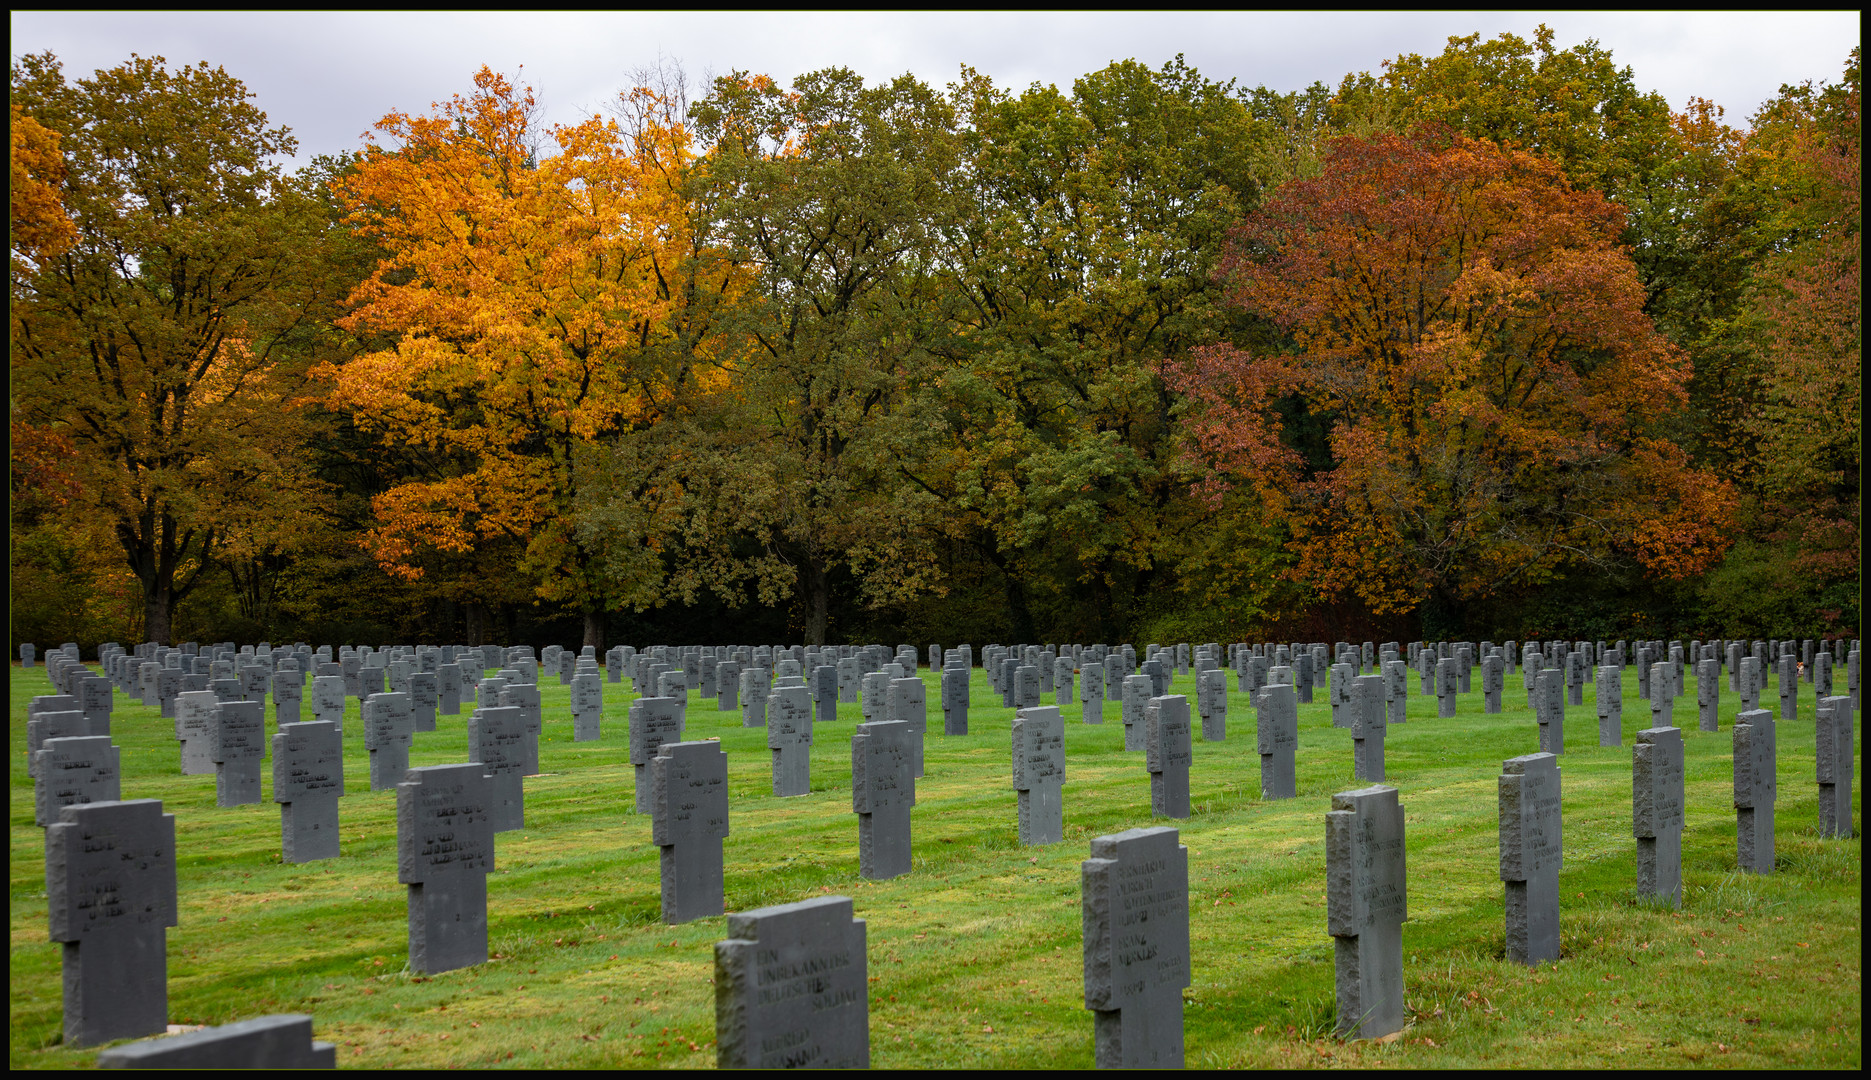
<point x="1531" y="850"/>
<point x="1038" y="773"/>
<point x="689" y="820"/>
<point x="791" y="988"/>
<point x="110" y="897"/>
<point x="883" y="789"/>
<point x="308" y="779"/>
<point x="1366" y="903"/>
<point x="444" y="852"/>
<point x="1135" y="910"/>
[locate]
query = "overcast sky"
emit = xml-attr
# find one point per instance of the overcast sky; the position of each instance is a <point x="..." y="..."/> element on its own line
<point x="330" y="76"/>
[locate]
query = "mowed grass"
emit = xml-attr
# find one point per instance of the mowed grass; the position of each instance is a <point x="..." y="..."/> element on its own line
<point x="975" y="957"/>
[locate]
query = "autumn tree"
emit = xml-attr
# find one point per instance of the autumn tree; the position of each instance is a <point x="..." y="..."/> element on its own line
<point x="523" y="296"/>
<point x="1796" y="341"/>
<point x="38" y="226"/>
<point x="156" y="338"/>
<point x="1086" y="259"/>
<point x="1465" y="331"/>
<point x="833" y="193"/>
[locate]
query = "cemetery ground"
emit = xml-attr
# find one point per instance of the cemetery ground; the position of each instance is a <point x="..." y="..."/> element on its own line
<point x="974" y="957"/>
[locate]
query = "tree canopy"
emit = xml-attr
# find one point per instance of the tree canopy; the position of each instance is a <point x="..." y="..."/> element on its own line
<point x="1485" y="343"/>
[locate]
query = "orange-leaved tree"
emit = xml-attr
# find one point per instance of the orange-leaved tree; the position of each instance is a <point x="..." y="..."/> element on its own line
<point x="1469" y="398"/>
<point x="525" y="296"/>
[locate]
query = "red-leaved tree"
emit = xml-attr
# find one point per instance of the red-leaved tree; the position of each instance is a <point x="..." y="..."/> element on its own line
<point x="1461" y="325"/>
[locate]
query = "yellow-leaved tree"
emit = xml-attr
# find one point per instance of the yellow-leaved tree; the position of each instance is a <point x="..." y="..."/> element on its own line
<point x="527" y="300"/>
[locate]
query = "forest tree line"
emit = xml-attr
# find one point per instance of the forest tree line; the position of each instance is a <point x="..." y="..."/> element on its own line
<point x="1487" y="343"/>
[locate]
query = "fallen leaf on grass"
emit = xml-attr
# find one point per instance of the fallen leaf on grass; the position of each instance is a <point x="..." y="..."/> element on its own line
<point x="1390" y="1038"/>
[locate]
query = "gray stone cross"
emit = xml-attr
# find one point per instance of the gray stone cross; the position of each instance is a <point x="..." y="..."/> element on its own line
<point x="1135" y="909"/>
<point x="1531" y="853"/>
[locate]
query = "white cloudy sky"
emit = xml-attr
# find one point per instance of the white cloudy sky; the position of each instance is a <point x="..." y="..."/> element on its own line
<point x="329" y="76"/>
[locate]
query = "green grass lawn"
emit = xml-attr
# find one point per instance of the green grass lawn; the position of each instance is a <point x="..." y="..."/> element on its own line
<point x="975" y="956"/>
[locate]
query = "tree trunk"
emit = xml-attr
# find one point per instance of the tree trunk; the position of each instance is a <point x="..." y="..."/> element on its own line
<point x="475" y="616"/>
<point x="156" y="611"/>
<point x="818" y="600"/>
<point x="594" y="631"/>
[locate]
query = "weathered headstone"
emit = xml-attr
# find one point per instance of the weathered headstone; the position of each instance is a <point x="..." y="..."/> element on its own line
<point x="94" y="700"/>
<point x="237" y="746"/>
<point x="907" y="701"/>
<point x="1135" y="910"/>
<point x="1211" y="698"/>
<point x="288" y="697"/>
<point x="1531" y="853"/>
<point x="1833" y="754"/>
<point x="1091" y="694"/>
<point x="1756" y="787"/>
<point x="955" y="700"/>
<point x="1136" y="690"/>
<point x="328" y="700"/>
<point x="1708" y="695"/>
<point x="1366" y="903"/>
<point x="789" y="737"/>
<point x="689" y="819"/>
<point x="824" y="683"/>
<point x="51" y="716"/>
<point x="1276" y="736"/>
<point x="1550" y="711"/>
<point x="1610" y="699"/>
<point x="74" y="770"/>
<point x="653" y="722"/>
<point x="1662" y="698"/>
<point x="168" y="685"/>
<point x="525" y="697"/>
<point x="424" y="696"/>
<point x="883" y="789"/>
<point x="497" y="743"/>
<point x="1367" y="727"/>
<point x="728" y="686"/>
<point x="1396" y="691"/>
<point x="110" y="897"/>
<point x="755" y="685"/>
<point x="1657" y="808"/>
<point x="308" y="779"/>
<point x="194" y="717"/>
<point x="587" y="707"/>
<point x="1026" y="686"/>
<point x="1038" y="773"/>
<point x="1445" y="688"/>
<point x="1751" y="680"/>
<point x="874" y="696"/>
<point x="1168" y="753"/>
<point x="792" y="988"/>
<point x="283" y="1041"/>
<point x="387" y="735"/>
<point x="444" y="852"/>
<point x="1339" y="694"/>
<point x="254" y="679"/>
<point x="1493" y="678"/>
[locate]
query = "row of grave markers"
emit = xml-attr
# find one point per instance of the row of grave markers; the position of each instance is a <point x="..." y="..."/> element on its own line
<point x="685" y="773"/>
